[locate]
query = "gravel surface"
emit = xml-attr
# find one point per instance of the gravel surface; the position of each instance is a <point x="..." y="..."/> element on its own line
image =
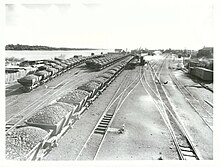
<point x="199" y="132"/>
<point x="145" y="138"/>
<point x="197" y="90"/>
<point x="144" y="129"/>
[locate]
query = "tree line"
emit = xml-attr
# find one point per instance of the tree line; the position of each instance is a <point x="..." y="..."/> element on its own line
<point x="38" y="47"/>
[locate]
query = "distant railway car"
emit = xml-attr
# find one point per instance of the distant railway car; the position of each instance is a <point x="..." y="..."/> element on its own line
<point x="103" y="62"/>
<point x="132" y="64"/>
<point x="29" y="82"/>
<point x="91" y="86"/>
<point x="53" y="72"/>
<point x="44" y="74"/>
<point x="202" y="73"/>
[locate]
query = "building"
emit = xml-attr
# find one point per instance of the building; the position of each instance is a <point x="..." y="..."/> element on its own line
<point x="118" y="50"/>
<point x="206" y="52"/>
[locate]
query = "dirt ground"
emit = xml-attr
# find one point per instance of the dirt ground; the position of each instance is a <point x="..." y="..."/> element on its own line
<point x="145" y="138"/>
<point x="144" y="129"/>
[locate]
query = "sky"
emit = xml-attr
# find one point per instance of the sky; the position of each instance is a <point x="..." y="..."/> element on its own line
<point x="152" y="24"/>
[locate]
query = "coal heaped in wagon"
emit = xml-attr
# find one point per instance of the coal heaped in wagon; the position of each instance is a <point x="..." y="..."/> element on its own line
<point x="102" y="80"/>
<point x="103" y="62"/>
<point x="30" y="81"/>
<point x="24" y="143"/>
<point x="58" y="121"/>
<point x="76" y="97"/>
<point x="54" y="116"/>
<point x="107" y="75"/>
<point x="44" y="74"/>
<point x="91" y="87"/>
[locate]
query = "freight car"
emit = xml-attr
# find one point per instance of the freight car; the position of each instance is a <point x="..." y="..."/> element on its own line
<point x="24" y="143"/>
<point x="47" y="70"/>
<point x="45" y="75"/>
<point x="30" y="82"/>
<point x="103" y="62"/>
<point x="46" y="126"/>
<point x="202" y="69"/>
<point x="132" y="64"/>
<point x="202" y="73"/>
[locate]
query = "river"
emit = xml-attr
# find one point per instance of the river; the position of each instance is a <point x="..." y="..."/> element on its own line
<point x="39" y="55"/>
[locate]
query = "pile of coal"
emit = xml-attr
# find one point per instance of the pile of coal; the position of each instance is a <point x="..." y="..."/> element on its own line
<point x="74" y="97"/>
<point x="89" y="86"/>
<point x="20" y="141"/>
<point x="51" y="114"/>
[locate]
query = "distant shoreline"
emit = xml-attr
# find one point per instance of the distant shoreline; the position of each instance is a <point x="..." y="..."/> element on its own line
<point x="19" y="47"/>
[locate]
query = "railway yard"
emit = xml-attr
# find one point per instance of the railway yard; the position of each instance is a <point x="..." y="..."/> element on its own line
<point x="151" y="111"/>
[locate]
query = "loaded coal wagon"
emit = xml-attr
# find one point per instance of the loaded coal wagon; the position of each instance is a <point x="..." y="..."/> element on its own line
<point x="44" y="74"/>
<point x="25" y="143"/>
<point x="91" y="87"/>
<point x="77" y="98"/>
<point x="29" y="82"/>
<point x="56" y="117"/>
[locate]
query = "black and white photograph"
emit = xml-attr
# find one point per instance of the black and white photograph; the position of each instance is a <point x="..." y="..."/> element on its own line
<point x="108" y="80"/>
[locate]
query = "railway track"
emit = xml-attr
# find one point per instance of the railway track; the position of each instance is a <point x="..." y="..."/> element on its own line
<point x="195" y="103"/>
<point x="19" y="118"/>
<point x="94" y="142"/>
<point x="11" y="100"/>
<point x="158" y="71"/>
<point x="183" y="142"/>
<point x="184" y="145"/>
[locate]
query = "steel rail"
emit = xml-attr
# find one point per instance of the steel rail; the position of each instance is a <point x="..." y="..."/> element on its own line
<point x="178" y="86"/>
<point x="38" y="98"/>
<point x="121" y="101"/>
<point x="187" y="96"/>
<point x="167" y="122"/>
<point x="105" y="112"/>
<point x="19" y="118"/>
<point x="186" y="92"/>
<point x="36" y="104"/>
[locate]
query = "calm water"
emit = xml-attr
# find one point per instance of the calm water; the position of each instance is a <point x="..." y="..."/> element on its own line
<point x="38" y="55"/>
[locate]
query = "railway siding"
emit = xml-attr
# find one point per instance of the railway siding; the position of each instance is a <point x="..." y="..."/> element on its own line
<point x="194" y="123"/>
<point x="77" y="136"/>
<point x="133" y="119"/>
<point x="144" y="127"/>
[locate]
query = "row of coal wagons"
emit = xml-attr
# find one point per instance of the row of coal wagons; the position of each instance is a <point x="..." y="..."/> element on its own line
<point x="48" y="70"/>
<point x="44" y="128"/>
<point x="107" y="77"/>
<point x="41" y="132"/>
<point x="103" y="62"/>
